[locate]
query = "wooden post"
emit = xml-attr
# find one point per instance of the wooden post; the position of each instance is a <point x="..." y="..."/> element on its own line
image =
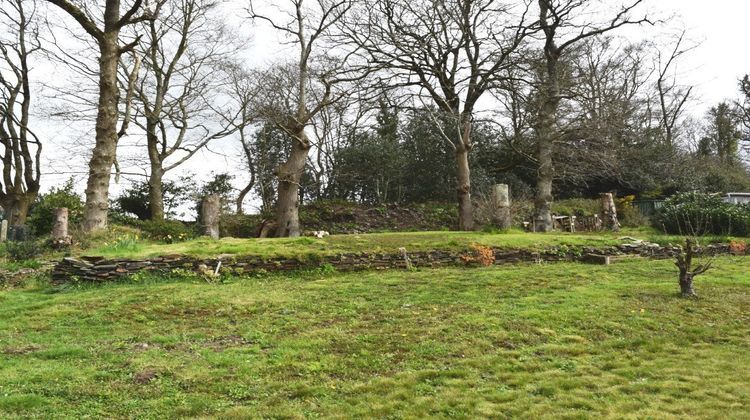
<point x="210" y="212"/>
<point x="4" y="231"/>
<point x="501" y="206"/>
<point x="609" y="212"/>
<point x="60" y="237"/>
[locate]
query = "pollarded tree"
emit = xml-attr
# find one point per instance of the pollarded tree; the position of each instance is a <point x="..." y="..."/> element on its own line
<point x="103" y="25"/>
<point x="21" y="147"/>
<point x="564" y="24"/>
<point x="291" y="95"/>
<point x="448" y="54"/>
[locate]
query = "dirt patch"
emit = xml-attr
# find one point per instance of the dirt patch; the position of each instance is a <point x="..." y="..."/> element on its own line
<point x="15" y="351"/>
<point x="222" y="343"/>
<point x="144" y="377"/>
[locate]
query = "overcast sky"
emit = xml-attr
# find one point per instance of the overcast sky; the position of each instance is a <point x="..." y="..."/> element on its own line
<point x="718" y="27"/>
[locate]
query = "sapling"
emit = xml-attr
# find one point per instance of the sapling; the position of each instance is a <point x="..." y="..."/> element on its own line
<point x="687" y="271"/>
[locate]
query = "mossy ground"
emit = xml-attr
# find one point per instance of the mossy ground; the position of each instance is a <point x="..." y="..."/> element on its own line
<point x="529" y="341"/>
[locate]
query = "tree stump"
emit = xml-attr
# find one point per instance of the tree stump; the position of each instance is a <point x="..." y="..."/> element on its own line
<point x="609" y="212"/>
<point x="60" y="237"/>
<point x="501" y="206"/>
<point x="210" y="212"/>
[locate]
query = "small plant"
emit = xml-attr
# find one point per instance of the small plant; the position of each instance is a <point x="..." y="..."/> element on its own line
<point x="125" y="243"/>
<point x="208" y="274"/>
<point x="22" y="250"/>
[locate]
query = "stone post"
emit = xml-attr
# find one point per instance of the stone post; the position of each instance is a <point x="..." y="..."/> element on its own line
<point x="501" y="206"/>
<point x="4" y="231"/>
<point x="609" y="212"/>
<point x="60" y="237"/>
<point x="210" y="212"/>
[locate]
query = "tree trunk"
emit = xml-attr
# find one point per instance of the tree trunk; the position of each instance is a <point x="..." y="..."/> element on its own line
<point x="463" y="178"/>
<point x="609" y="212"/>
<point x="290" y="175"/>
<point x="210" y="214"/>
<point x="103" y="156"/>
<point x="501" y="206"/>
<point x="545" y="144"/>
<point x="17" y="209"/>
<point x="156" y="192"/>
<point x="241" y="197"/>
<point x="686" y="284"/>
<point x="543" y="200"/>
<point x="60" y="237"/>
<point x="60" y="226"/>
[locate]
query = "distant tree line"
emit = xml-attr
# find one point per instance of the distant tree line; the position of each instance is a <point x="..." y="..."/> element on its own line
<point x="377" y="101"/>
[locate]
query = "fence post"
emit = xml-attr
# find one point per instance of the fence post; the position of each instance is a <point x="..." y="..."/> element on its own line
<point x="4" y="231"/>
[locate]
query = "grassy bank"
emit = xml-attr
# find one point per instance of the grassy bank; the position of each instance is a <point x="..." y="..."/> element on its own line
<point x="524" y="341"/>
<point x="127" y="247"/>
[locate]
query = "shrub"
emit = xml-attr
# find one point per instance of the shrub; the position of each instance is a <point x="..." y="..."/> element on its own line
<point x="22" y="250"/>
<point x="240" y="225"/>
<point x="696" y="213"/>
<point x="629" y="215"/>
<point x="579" y="207"/>
<point x="168" y="231"/>
<point x="41" y="217"/>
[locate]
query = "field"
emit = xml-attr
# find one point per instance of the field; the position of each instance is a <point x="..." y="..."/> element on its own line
<point x="556" y="340"/>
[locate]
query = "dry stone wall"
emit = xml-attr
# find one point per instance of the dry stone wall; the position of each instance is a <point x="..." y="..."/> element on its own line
<point x="100" y="269"/>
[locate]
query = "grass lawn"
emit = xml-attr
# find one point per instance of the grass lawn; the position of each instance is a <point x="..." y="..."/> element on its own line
<point x="374" y="242"/>
<point x="529" y="341"/>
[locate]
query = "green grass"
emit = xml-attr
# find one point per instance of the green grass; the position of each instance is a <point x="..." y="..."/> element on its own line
<point x="375" y="242"/>
<point x="527" y="341"/>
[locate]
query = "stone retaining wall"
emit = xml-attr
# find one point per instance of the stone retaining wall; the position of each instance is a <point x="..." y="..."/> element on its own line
<point x="100" y="269"/>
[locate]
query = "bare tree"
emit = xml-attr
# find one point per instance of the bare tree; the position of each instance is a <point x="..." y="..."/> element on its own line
<point x="178" y="101"/>
<point x="105" y="31"/>
<point x="292" y="94"/>
<point x="684" y="262"/>
<point x="743" y="107"/>
<point x="672" y="97"/>
<point x="564" y="24"/>
<point x="21" y="147"/>
<point x="447" y="53"/>
<point x="241" y="88"/>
